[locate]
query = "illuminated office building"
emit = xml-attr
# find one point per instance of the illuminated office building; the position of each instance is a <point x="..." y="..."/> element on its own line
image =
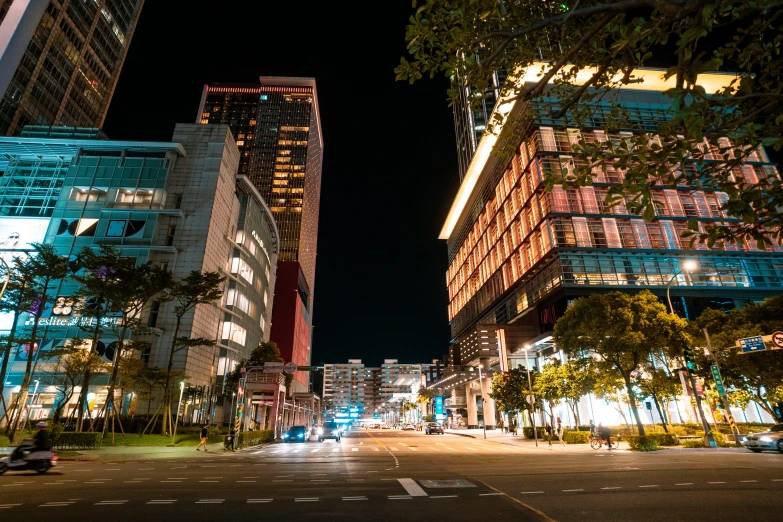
<point x="60" y="60"/>
<point x="277" y="128"/>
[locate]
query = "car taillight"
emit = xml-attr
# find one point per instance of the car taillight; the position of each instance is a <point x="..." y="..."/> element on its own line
<point x="55" y="458"/>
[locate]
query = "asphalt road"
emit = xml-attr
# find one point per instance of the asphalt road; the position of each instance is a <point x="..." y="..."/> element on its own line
<point x="391" y="475"/>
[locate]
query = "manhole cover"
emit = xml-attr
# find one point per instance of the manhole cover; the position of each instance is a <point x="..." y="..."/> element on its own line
<point x="454" y="483"/>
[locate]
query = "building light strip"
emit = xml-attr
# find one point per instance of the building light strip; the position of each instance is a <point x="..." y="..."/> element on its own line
<point x="651" y="80"/>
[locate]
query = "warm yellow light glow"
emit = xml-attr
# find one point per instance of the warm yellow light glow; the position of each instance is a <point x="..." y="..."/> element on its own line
<point x="690" y="265"/>
<point x="651" y="80"/>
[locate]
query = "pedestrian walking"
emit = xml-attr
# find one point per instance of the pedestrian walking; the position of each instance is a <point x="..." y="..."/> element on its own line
<point x="548" y="429"/>
<point x="501" y="424"/>
<point x="513" y="427"/>
<point x="204" y="433"/>
<point x="559" y="431"/>
<point x="592" y="427"/>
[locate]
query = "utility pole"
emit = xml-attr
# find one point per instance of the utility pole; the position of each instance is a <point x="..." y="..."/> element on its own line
<point x="724" y="398"/>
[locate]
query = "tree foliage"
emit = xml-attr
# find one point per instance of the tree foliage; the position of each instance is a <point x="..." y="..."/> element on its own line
<point x="569" y="382"/>
<point x="620" y="333"/>
<point x="589" y="48"/>
<point x="510" y="389"/>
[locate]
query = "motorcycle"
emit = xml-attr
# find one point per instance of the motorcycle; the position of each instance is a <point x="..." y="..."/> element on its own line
<point x="39" y="461"/>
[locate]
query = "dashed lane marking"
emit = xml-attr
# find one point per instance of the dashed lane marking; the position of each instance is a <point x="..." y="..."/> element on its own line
<point x="490" y="494"/>
<point x="258" y="500"/>
<point x="445" y="496"/>
<point x="153" y="502"/>
<point x="613" y="487"/>
<point x="530" y="492"/>
<point x="110" y="503"/>
<point x="211" y="501"/>
<point x="649" y="486"/>
<point x="684" y="484"/>
<point x="355" y="498"/>
<point x="8" y="506"/>
<point x="309" y="499"/>
<point x="715" y="482"/>
<point x="400" y="497"/>
<point x="571" y="490"/>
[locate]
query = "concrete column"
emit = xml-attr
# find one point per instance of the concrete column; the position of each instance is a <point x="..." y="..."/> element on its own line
<point x="489" y="403"/>
<point x="472" y="410"/>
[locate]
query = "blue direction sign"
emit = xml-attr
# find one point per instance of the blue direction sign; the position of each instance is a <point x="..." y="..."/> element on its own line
<point x="752" y="344"/>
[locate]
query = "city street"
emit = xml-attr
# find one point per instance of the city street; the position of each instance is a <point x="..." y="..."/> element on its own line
<point x="385" y="475"/>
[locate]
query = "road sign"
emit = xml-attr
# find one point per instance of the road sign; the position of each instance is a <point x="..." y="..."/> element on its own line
<point x="273" y="367"/>
<point x="529" y="399"/>
<point x="777" y="339"/>
<point x="718" y="380"/>
<point x="648" y="405"/>
<point x="752" y="344"/>
<point x="290" y="368"/>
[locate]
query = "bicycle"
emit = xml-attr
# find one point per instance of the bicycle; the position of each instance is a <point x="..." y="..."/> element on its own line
<point x="596" y="442"/>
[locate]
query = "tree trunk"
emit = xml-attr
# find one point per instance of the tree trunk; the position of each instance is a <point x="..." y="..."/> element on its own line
<point x="632" y="403"/>
<point x="114" y="371"/>
<point x="167" y="389"/>
<point x="28" y="372"/>
<point x="660" y="412"/>
<point x="87" y="376"/>
<point x="7" y="355"/>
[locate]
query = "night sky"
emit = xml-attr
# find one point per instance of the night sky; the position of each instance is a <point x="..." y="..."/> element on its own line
<point x="390" y="163"/>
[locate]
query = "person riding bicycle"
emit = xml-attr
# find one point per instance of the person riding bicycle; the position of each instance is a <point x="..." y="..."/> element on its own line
<point x="604" y="433"/>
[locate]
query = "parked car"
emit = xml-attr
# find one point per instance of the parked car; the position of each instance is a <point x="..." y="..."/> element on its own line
<point x="330" y="430"/>
<point x="373" y="426"/>
<point x="385" y="427"/>
<point x="767" y="440"/>
<point x="297" y="434"/>
<point x="434" y="427"/>
<point x="409" y="427"/>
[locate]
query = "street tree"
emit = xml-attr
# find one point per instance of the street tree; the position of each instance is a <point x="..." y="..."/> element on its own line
<point x="510" y="390"/>
<point x="611" y="390"/>
<point x="425" y="396"/>
<point x="549" y="388"/>
<point x="620" y="332"/>
<point x="70" y="364"/>
<point x="197" y="288"/>
<point x="661" y="387"/>
<point x="758" y="374"/>
<point x="44" y="268"/>
<point x="568" y="381"/>
<point x="263" y="353"/>
<point x="578" y="51"/>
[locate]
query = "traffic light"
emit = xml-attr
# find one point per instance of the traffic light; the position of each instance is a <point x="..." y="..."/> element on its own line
<point x="687" y="354"/>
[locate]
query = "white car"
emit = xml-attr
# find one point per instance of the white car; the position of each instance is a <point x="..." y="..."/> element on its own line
<point x="409" y="427"/>
<point x="767" y="440"/>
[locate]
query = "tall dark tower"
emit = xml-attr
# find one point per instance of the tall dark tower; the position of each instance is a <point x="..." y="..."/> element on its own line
<point x="60" y="60"/>
<point x="277" y="126"/>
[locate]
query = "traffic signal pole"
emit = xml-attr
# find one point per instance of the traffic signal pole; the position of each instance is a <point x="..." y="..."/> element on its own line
<point x="688" y="356"/>
<point x="724" y="398"/>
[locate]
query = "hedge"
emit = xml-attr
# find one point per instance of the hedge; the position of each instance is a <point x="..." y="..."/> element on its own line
<point x="528" y="432"/>
<point x="73" y="440"/>
<point x="5" y="442"/>
<point x="646" y="443"/>
<point x="576" y="437"/>
<point x="250" y="438"/>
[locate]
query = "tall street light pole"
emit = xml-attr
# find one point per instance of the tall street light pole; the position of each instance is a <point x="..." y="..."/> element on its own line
<point x="179" y="405"/>
<point x="532" y="401"/>
<point x="689" y="266"/>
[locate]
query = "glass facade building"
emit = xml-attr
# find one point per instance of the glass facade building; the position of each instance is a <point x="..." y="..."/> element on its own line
<point x="63" y="63"/>
<point x="277" y="128"/>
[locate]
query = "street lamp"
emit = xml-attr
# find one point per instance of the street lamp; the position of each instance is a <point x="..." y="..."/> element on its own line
<point x="688" y="266"/>
<point x="179" y="405"/>
<point x="482" y="401"/>
<point x="532" y="401"/>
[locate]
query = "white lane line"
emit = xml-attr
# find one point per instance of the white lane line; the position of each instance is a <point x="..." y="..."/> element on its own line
<point x="570" y="490"/>
<point x="614" y="487"/>
<point x="170" y="481"/>
<point x="211" y="501"/>
<point x="777" y="480"/>
<point x="161" y="501"/>
<point x="56" y="504"/>
<point x="400" y="497"/>
<point x="413" y="449"/>
<point x="445" y="496"/>
<point x="684" y="484"/>
<point x="354" y="449"/>
<point x="112" y="469"/>
<point x="211" y="481"/>
<point x="283" y="480"/>
<point x="253" y="481"/>
<point x="309" y="499"/>
<point x="748" y="480"/>
<point x="489" y="494"/>
<point x="110" y="503"/>
<point x="530" y="492"/>
<point x="715" y="482"/>
<point x="179" y="467"/>
<point x="258" y="500"/>
<point x="8" y="506"/>
<point x="649" y="486"/>
<point x="355" y="498"/>
<point x="412" y="488"/>
<point x="315" y="450"/>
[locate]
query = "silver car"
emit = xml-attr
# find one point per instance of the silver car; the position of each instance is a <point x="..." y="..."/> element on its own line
<point x="768" y="440"/>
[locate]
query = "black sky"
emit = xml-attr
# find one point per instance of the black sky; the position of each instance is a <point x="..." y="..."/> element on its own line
<point x="390" y="168"/>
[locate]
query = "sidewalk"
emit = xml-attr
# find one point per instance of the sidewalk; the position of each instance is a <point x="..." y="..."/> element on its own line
<point x="499" y="437"/>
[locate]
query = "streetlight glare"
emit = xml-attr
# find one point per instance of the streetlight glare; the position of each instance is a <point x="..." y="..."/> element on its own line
<point x="690" y="265"/>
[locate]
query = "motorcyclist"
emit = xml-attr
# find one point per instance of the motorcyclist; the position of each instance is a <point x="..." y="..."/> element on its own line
<point x="40" y="442"/>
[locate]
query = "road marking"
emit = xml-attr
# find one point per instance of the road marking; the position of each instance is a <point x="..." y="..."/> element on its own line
<point x="209" y="481"/>
<point x="170" y="481"/>
<point x="777" y="480"/>
<point x="253" y="481"/>
<point x="113" y="469"/>
<point x="412" y="488"/>
<point x="355" y="498"/>
<point x="530" y="492"/>
<point x="211" y="501"/>
<point x="490" y="494"/>
<point x="354" y="449"/>
<point x="184" y="478"/>
<point x="310" y="499"/>
<point x="412" y="448"/>
<point x="140" y="469"/>
<point x="570" y="490"/>
<point x="315" y="450"/>
<point x="748" y="480"/>
<point x="285" y="480"/>
<point x="649" y="486"/>
<point x="179" y="467"/>
<point x="161" y="501"/>
<point x="258" y="500"/>
<point x="685" y="484"/>
<point x="445" y="496"/>
<point x="400" y="497"/>
<point x="715" y="482"/>
<point x="614" y="487"/>
<point x="110" y="502"/>
<point x="8" y="506"/>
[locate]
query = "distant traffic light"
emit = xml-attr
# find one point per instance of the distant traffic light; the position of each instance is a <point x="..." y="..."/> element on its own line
<point x="687" y="354"/>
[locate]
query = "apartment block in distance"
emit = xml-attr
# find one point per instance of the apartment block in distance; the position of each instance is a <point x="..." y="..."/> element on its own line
<point x="277" y="127"/>
<point x="519" y="254"/>
<point x="60" y="60"/>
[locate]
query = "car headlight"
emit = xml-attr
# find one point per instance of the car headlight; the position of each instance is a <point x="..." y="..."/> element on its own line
<point x="300" y="435"/>
<point x="285" y="436"/>
<point x="319" y="431"/>
<point x="766" y="439"/>
<point x="743" y="439"/>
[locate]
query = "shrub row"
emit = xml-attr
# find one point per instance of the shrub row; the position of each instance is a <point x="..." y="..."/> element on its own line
<point x="249" y="438"/>
<point x="576" y="437"/>
<point x="73" y="440"/>
<point x="528" y="432"/>
<point x="646" y="443"/>
<point x="5" y="442"/>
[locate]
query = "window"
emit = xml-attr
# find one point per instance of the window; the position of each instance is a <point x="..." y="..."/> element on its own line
<point x="116" y="228"/>
<point x="170" y="235"/>
<point x="234" y="332"/>
<point x="154" y="311"/>
<point x="134" y="196"/>
<point x="87" y="194"/>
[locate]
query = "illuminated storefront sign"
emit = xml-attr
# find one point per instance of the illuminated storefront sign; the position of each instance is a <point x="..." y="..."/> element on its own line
<point x="75" y="321"/>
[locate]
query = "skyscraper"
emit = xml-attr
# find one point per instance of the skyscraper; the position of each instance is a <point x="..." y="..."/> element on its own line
<point x="277" y="126"/>
<point x="60" y="60"/>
